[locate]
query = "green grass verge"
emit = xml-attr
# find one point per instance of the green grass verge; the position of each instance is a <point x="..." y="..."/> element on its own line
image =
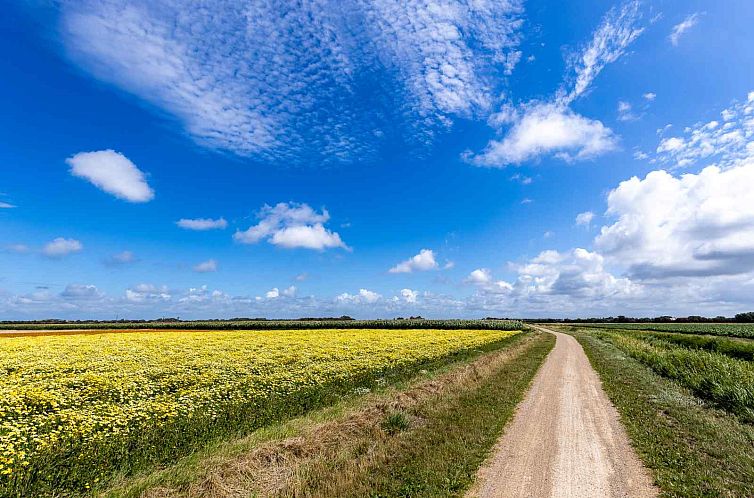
<point x="440" y="458"/>
<point x="692" y="448"/>
<point x="188" y="469"/>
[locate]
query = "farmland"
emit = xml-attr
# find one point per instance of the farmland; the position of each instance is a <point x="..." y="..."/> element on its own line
<point x="721" y="329"/>
<point x="76" y="409"/>
<point x="687" y="401"/>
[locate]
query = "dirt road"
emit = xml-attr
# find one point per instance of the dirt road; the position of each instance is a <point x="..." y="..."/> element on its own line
<point x="566" y="439"/>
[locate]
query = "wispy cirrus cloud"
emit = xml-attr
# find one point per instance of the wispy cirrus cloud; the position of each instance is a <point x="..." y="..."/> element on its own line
<point x="278" y="79"/>
<point x="535" y="129"/>
<point x="682" y="27"/>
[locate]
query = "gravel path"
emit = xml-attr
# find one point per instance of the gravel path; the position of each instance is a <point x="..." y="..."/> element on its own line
<point x="566" y="439"/>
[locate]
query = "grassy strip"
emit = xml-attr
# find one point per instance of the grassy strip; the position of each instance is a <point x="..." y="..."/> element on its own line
<point x="184" y="475"/>
<point x="491" y="324"/>
<point x="741" y="349"/>
<point x="448" y="440"/>
<point x="721" y="329"/>
<point x="692" y="449"/>
<point x="727" y="382"/>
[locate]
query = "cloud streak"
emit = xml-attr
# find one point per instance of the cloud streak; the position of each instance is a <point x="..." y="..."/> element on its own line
<point x="278" y="80"/>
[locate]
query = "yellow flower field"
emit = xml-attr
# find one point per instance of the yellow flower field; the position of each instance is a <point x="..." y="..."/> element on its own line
<point x="78" y="408"/>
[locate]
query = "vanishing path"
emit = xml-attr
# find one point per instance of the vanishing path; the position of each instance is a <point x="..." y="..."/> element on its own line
<point x="566" y="439"/>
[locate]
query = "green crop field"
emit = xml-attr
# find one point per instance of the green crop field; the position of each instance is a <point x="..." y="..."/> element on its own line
<point x="723" y="329"/>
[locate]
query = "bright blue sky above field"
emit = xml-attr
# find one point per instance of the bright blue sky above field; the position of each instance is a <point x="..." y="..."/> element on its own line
<point x="377" y="159"/>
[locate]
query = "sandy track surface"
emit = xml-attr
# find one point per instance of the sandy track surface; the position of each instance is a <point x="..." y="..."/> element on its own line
<point x="566" y="439"/>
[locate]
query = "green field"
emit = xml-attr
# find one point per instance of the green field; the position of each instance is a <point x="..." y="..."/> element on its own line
<point x="722" y="329"/>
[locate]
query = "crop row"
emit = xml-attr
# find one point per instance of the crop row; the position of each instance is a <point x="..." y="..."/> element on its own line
<point x="491" y="324"/>
<point x="727" y="382"/>
<point x="77" y="409"/>
<point x="721" y="329"/>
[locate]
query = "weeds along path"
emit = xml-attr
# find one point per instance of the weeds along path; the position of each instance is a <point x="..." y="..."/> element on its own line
<point x="566" y="439"/>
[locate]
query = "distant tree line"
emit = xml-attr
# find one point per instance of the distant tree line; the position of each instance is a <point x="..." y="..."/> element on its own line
<point x="738" y="318"/>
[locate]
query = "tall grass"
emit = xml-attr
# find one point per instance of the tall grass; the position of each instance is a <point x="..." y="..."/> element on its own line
<point x="742" y="349"/>
<point x="725" y="381"/>
<point x="722" y="329"/>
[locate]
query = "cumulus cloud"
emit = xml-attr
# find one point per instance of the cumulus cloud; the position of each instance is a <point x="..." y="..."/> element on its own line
<point x="148" y="293"/>
<point x="410" y="296"/>
<point x="538" y="128"/>
<point x="202" y="224"/>
<point x="547" y="129"/>
<point x="59" y="247"/>
<point x="113" y="173"/>
<point x="482" y="278"/>
<point x="423" y="261"/>
<point x="693" y="225"/>
<point x="292" y="225"/>
<point x="649" y="96"/>
<point x="278" y="80"/>
<point x="364" y="296"/>
<point x="725" y="142"/>
<point x="81" y="292"/>
<point x="585" y="218"/>
<point x="682" y="27"/>
<point x="275" y="293"/>
<point x="206" y="266"/>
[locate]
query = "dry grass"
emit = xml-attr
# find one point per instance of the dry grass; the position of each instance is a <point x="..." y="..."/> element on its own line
<point x="353" y="442"/>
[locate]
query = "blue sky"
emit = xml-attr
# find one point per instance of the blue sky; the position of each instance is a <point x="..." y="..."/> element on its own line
<point x="376" y="159"/>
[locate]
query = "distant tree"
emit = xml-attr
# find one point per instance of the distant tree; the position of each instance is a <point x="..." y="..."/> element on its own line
<point x="745" y="317"/>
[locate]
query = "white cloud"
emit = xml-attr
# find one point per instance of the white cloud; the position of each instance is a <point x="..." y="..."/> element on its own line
<point x="624" y="112"/>
<point x="292" y="225"/>
<point x="618" y="29"/>
<point x="121" y="258"/>
<point x="543" y="128"/>
<point x="692" y="225"/>
<point x="364" y="296"/>
<point x="60" y="247"/>
<point x="202" y="223"/>
<point x="482" y="278"/>
<point x="113" y="173"/>
<point x="258" y="78"/>
<point x="148" y="293"/>
<point x="206" y="266"/>
<point x="712" y="142"/>
<point x="6" y="205"/>
<point x="275" y="293"/>
<point x="649" y="96"/>
<point x="423" y="261"/>
<point x="81" y="292"/>
<point x="584" y="218"/>
<point x="548" y="129"/>
<point x="680" y="28"/>
<point x="410" y="296"/>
